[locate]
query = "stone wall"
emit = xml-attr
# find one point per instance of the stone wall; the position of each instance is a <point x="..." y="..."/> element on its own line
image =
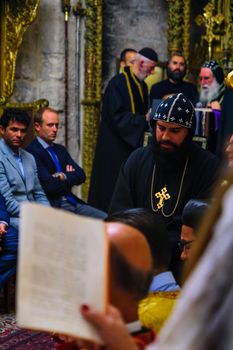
<point x="41" y="60"/>
<point x="136" y="24"/>
<point x="41" y="64"/>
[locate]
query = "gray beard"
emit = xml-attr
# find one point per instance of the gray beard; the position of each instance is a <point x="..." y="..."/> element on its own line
<point x="210" y="93"/>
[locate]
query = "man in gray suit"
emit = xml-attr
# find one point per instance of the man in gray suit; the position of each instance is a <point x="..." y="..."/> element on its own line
<point x="18" y="172"/>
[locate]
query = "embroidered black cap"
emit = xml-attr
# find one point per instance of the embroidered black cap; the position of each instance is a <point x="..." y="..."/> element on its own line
<point x="176" y="109"/>
<point x="216" y="69"/>
<point x="149" y="53"/>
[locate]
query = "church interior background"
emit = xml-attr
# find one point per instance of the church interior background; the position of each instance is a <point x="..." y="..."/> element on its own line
<point x="63" y="53"/>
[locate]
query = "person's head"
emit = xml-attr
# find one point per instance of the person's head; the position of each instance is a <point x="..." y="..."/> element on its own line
<point x="211" y="78"/>
<point x="13" y="126"/>
<point x="46" y="123"/>
<point x="153" y="230"/>
<point x="173" y="124"/>
<point x="176" y="67"/>
<point x="145" y="61"/>
<point x="229" y="152"/>
<point x="131" y="273"/>
<point x="127" y="57"/>
<point x="192" y="215"/>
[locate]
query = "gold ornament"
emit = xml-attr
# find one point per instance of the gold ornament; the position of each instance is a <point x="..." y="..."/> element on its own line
<point x="163" y="196"/>
<point x="154" y="310"/>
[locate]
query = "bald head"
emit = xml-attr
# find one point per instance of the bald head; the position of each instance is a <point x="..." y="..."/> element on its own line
<point x="129" y="241"/>
<point x="130" y="268"/>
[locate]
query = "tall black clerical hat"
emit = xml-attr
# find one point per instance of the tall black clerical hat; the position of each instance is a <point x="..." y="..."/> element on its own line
<point x="176" y="109"/>
<point x="149" y="53"/>
<point x="216" y="69"/>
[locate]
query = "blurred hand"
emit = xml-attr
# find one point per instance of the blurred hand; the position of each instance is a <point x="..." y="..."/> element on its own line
<point x="111" y="328"/>
<point x="215" y="105"/>
<point x="59" y="175"/>
<point x="3" y="228"/>
<point x="69" y="168"/>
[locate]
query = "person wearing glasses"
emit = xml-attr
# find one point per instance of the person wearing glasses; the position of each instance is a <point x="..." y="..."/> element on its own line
<point x="192" y="215"/>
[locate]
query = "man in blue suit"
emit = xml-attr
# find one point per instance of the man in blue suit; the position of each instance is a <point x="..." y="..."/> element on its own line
<point x="9" y="244"/>
<point x="57" y="171"/>
<point x="18" y="172"/>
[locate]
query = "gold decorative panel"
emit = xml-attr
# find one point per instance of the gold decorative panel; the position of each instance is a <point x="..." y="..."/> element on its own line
<point x="93" y="85"/>
<point x="16" y="16"/>
<point x="201" y="36"/>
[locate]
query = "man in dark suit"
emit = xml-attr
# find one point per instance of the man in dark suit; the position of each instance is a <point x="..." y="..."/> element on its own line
<point x="9" y="244"/>
<point x="57" y="171"/>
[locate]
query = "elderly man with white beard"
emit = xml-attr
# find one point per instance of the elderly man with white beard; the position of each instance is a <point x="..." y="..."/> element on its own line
<point x="212" y="88"/>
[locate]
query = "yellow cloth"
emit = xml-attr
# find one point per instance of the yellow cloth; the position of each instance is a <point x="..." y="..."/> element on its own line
<point x="154" y="78"/>
<point x="154" y="310"/>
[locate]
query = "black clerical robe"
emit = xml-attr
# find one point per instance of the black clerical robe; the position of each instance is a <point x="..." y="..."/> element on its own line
<point x="226" y="121"/>
<point x="121" y="131"/>
<point x="165" y="87"/>
<point x="141" y="177"/>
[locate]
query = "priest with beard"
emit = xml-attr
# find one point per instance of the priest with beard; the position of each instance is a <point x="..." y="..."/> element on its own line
<point x="166" y="174"/>
<point x="176" y="70"/>
<point x="212" y="85"/>
<point x="211" y="96"/>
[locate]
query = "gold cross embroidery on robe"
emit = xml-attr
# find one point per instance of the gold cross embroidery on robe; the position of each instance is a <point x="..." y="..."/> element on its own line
<point x="163" y="196"/>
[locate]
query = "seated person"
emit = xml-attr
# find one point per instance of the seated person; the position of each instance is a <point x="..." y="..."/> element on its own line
<point x="9" y="244"/>
<point x="163" y="291"/>
<point x="57" y="171"/>
<point x="192" y="215"/>
<point x="197" y="308"/>
<point x="19" y="180"/>
<point x="130" y="275"/>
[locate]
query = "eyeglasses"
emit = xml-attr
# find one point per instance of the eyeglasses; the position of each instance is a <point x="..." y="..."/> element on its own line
<point x="184" y="245"/>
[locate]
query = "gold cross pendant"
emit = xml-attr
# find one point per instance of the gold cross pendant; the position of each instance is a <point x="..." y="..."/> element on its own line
<point x="163" y="196"/>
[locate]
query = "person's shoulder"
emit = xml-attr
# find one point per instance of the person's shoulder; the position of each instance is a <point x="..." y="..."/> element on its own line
<point x="27" y="154"/>
<point x="140" y="154"/>
<point x="116" y="79"/>
<point x="160" y="84"/>
<point x="60" y="147"/>
<point x="189" y="84"/>
<point x="201" y="154"/>
<point x="34" y="143"/>
<point x="5" y="150"/>
<point x="115" y="83"/>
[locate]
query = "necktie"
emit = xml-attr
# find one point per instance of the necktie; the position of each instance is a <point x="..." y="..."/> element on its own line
<point x="55" y="159"/>
<point x="20" y="163"/>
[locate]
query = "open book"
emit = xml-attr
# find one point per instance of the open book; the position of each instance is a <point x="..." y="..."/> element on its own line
<point x="63" y="263"/>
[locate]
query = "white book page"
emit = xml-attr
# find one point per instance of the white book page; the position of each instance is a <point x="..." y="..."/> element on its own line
<point x="63" y="263"/>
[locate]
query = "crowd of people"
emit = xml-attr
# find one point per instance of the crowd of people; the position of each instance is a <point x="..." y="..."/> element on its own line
<point x="165" y="200"/>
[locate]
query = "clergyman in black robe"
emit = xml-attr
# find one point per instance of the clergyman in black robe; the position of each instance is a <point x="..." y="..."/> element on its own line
<point x="122" y="127"/>
<point x="165" y="179"/>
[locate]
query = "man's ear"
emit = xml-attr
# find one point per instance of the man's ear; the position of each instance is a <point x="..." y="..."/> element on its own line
<point x="2" y="129"/>
<point x="141" y="63"/>
<point x="37" y="126"/>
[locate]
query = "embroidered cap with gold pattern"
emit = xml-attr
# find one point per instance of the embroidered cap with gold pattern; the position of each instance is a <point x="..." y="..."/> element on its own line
<point x="176" y="109"/>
